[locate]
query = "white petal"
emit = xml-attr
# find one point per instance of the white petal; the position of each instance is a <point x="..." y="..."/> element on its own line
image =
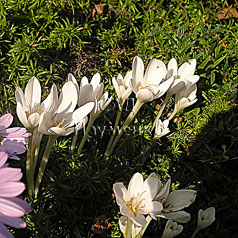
<point x="137" y="71"/>
<point x="179" y="199"/>
<point x="144" y="95"/>
<point x="20" y="97"/>
<point x="50" y="104"/>
<point x="95" y="80"/>
<point x="83" y="82"/>
<point x="165" y="191"/>
<point x="60" y="131"/>
<point x="21" y="115"/>
<point x="149" y="73"/>
<point x="180" y="216"/>
<point x="68" y="98"/>
<point x="128" y="78"/>
<point x="135" y="186"/>
<point x="172" y="68"/>
<point x="73" y="79"/>
<point x="33" y="92"/>
<point x="117" y="89"/>
<point x="151" y="187"/>
<point x="33" y="120"/>
<point x="82" y="112"/>
<point x="121" y="194"/>
<point x="162" y="88"/>
<point x="86" y="95"/>
<point x="151" y="207"/>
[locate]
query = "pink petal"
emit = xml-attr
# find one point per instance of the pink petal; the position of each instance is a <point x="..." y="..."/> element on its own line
<point x="11" y="189"/>
<point x="12" y="221"/>
<point x="3" y="158"/>
<point x="4" y="232"/>
<point x="11" y="208"/>
<point x="10" y="174"/>
<point x="6" y="121"/>
<point x="13" y="147"/>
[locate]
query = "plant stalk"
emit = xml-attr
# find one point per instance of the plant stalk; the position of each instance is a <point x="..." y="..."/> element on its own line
<point x="45" y="158"/>
<point x="126" y="124"/>
<point x="90" y="123"/>
<point x="113" y="132"/>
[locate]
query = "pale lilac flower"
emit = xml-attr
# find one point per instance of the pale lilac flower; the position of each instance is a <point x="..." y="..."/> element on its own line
<point x="11" y="207"/>
<point x="12" y="140"/>
<point x="137" y="201"/>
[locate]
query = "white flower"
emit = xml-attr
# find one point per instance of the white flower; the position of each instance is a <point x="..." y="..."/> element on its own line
<point x="186" y="97"/>
<point x="122" y="87"/>
<point x="172" y="229"/>
<point x="148" y="86"/>
<point x="59" y="120"/>
<point x="184" y="78"/>
<point x="174" y="202"/>
<point x="123" y="223"/>
<point x="92" y="92"/>
<point x="205" y="218"/>
<point x="137" y="201"/>
<point x="29" y="103"/>
<point x="161" y="128"/>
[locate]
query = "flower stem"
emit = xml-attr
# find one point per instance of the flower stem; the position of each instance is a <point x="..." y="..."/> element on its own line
<point x="172" y="115"/>
<point x="128" y="233"/>
<point x="74" y="142"/>
<point x="45" y="158"/>
<point x="113" y="132"/>
<point x="90" y="123"/>
<point x="29" y="179"/>
<point x="126" y="124"/>
<point x="195" y="233"/>
<point x="160" y="111"/>
<point x="148" y="220"/>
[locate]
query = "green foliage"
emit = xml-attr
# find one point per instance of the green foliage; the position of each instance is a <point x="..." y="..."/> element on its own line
<point x="49" y="39"/>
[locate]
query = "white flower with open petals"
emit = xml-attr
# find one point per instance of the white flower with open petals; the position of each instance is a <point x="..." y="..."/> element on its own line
<point x="122" y="87"/>
<point x="205" y="218"/>
<point x="161" y="128"/>
<point x="60" y="119"/>
<point x="172" y="229"/>
<point x="29" y="103"/>
<point x="137" y="201"/>
<point x="150" y="85"/>
<point x="174" y="202"/>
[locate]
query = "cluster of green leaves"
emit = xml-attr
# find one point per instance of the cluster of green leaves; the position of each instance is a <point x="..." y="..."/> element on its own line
<point x="49" y="39"/>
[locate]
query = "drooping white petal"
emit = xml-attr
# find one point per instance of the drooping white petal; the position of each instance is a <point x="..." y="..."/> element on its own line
<point x="81" y="112"/>
<point x="163" y="87"/>
<point x="179" y="216"/>
<point x="163" y="194"/>
<point x="172" y="68"/>
<point x="179" y="199"/>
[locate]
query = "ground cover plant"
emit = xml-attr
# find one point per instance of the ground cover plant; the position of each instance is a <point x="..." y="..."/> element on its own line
<point x="50" y="39"/>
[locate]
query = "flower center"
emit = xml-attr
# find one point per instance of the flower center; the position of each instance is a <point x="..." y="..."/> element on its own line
<point x="136" y="203"/>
